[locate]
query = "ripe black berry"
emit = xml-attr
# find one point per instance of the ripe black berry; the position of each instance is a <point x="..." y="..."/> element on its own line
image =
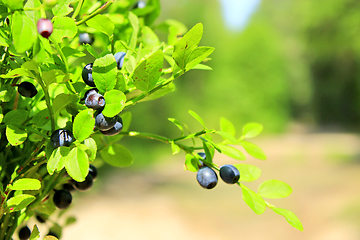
<point x="119" y="57"/>
<point x="85" y="185"/>
<point x="207" y="178"/>
<point x="68" y="186"/>
<point x="115" y="129"/>
<point x="87" y="75"/>
<point x="86" y="38"/>
<point x="140" y="4"/>
<point x="61" y="137"/>
<point x="229" y="174"/>
<point x="93" y="171"/>
<point x="93" y="99"/>
<point x="24" y="233"/>
<point x="40" y="218"/>
<point x="62" y="199"/>
<point x="45" y="27"/>
<point x="104" y="123"/>
<point x="27" y="89"/>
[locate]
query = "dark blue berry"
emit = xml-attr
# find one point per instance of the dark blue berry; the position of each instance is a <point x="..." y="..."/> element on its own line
<point x="61" y="137"/>
<point x="115" y="129"/>
<point x="24" y="233"/>
<point x="62" y="199"/>
<point x="40" y="218"/>
<point x="104" y="123"/>
<point x="84" y="185"/>
<point x="229" y="174"/>
<point x="93" y="171"/>
<point x="27" y="89"/>
<point x="86" y="38"/>
<point x="87" y="75"/>
<point x="207" y="178"/>
<point x="93" y="99"/>
<point x="140" y="4"/>
<point x="119" y="57"/>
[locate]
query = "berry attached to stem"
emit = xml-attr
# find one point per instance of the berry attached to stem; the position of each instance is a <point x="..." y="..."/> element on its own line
<point x="61" y="137"/>
<point x="27" y="89"/>
<point x="207" y="178"/>
<point x="229" y="174"/>
<point x="115" y="129"/>
<point x="24" y="233"/>
<point x="94" y="100"/>
<point x="85" y="185"/>
<point x="62" y="199"/>
<point x="87" y="75"/>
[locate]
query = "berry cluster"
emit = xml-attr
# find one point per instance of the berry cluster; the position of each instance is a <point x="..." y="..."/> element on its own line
<point x="25" y="233"/>
<point x="207" y="177"/>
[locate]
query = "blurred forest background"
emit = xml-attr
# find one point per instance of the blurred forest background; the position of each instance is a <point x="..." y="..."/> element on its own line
<point x="295" y="61"/>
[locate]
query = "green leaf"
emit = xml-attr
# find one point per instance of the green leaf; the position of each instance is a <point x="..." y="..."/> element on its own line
<point x="191" y="163"/>
<point x="4" y="42"/>
<point x="23" y="31"/>
<point x="197" y="117"/>
<point x="83" y="124"/>
<point x="160" y="92"/>
<point x="91" y="149"/>
<point x="15" y="135"/>
<point x="102" y="23"/>
<point x="253" y="150"/>
<point x="251" y="130"/>
<point x="274" y="189"/>
<point x="232" y="152"/>
<point x="290" y="217"/>
<point x="35" y="233"/>
<point x="248" y="173"/>
<point x="68" y="51"/>
<point x="63" y="27"/>
<point x="14" y="4"/>
<point x="57" y="159"/>
<point x="115" y="102"/>
<point x="70" y="220"/>
<point x="227" y="126"/>
<point x="16" y="117"/>
<point x="55" y="76"/>
<point x="197" y="56"/>
<point x="148" y="72"/>
<point x="104" y="73"/>
<point x="19" y="202"/>
<point x="17" y="72"/>
<point x="134" y="21"/>
<point x="77" y="164"/>
<point x="117" y="155"/>
<point x="175" y="148"/>
<point x="227" y="136"/>
<point x="6" y="92"/>
<point x="186" y="45"/>
<point x="62" y="100"/>
<point x="178" y="124"/>
<point x="46" y="208"/>
<point x="253" y="200"/>
<point x="33" y="15"/>
<point x="149" y="38"/>
<point x="41" y="118"/>
<point x="91" y="50"/>
<point x="26" y="184"/>
<point x="62" y="8"/>
<point x="208" y="152"/>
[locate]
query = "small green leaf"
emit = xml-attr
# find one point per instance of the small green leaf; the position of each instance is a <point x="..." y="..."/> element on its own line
<point x="91" y="148"/>
<point x="57" y="160"/>
<point x="41" y="118"/>
<point x="159" y="92"/>
<point x="197" y="56"/>
<point x="63" y="27"/>
<point x="55" y="76"/>
<point x="197" y="117"/>
<point x="274" y="189"/>
<point x="191" y="163"/>
<point x="70" y="220"/>
<point x="115" y="102"/>
<point x="175" y="148"/>
<point x="68" y="51"/>
<point x="149" y="38"/>
<point x="227" y="136"/>
<point x="227" y="126"/>
<point x="46" y="208"/>
<point x="4" y="42"/>
<point x="26" y="184"/>
<point x="251" y="130"/>
<point x="62" y="8"/>
<point x="290" y="217"/>
<point x="91" y="50"/>
<point x="33" y="15"/>
<point x="24" y="32"/>
<point x="83" y="124"/>
<point x="208" y="152"/>
<point x="253" y="150"/>
<point x="248" y="173"/>
<point x="186" y="45"/>
<point x="148" y="72"/>
<point x="6" y="92"/>
<point x="35" y="233"/>
<point x="232" y="152"/>
<point x="134" y="21"/>
<point x="16" y="117"/>
<point x="253" y="200"/>
<point x="15" y="135"/>
<point x="102" y="23"/>
<point x="104" y="73"/>
<point x="62" y="100"/>
<point x="117" y="155"/>
<point x="14" y="4"/>
<point x="77" y="164"/>
<point x="19" y="202"/>
<point x="178" y="124"/>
